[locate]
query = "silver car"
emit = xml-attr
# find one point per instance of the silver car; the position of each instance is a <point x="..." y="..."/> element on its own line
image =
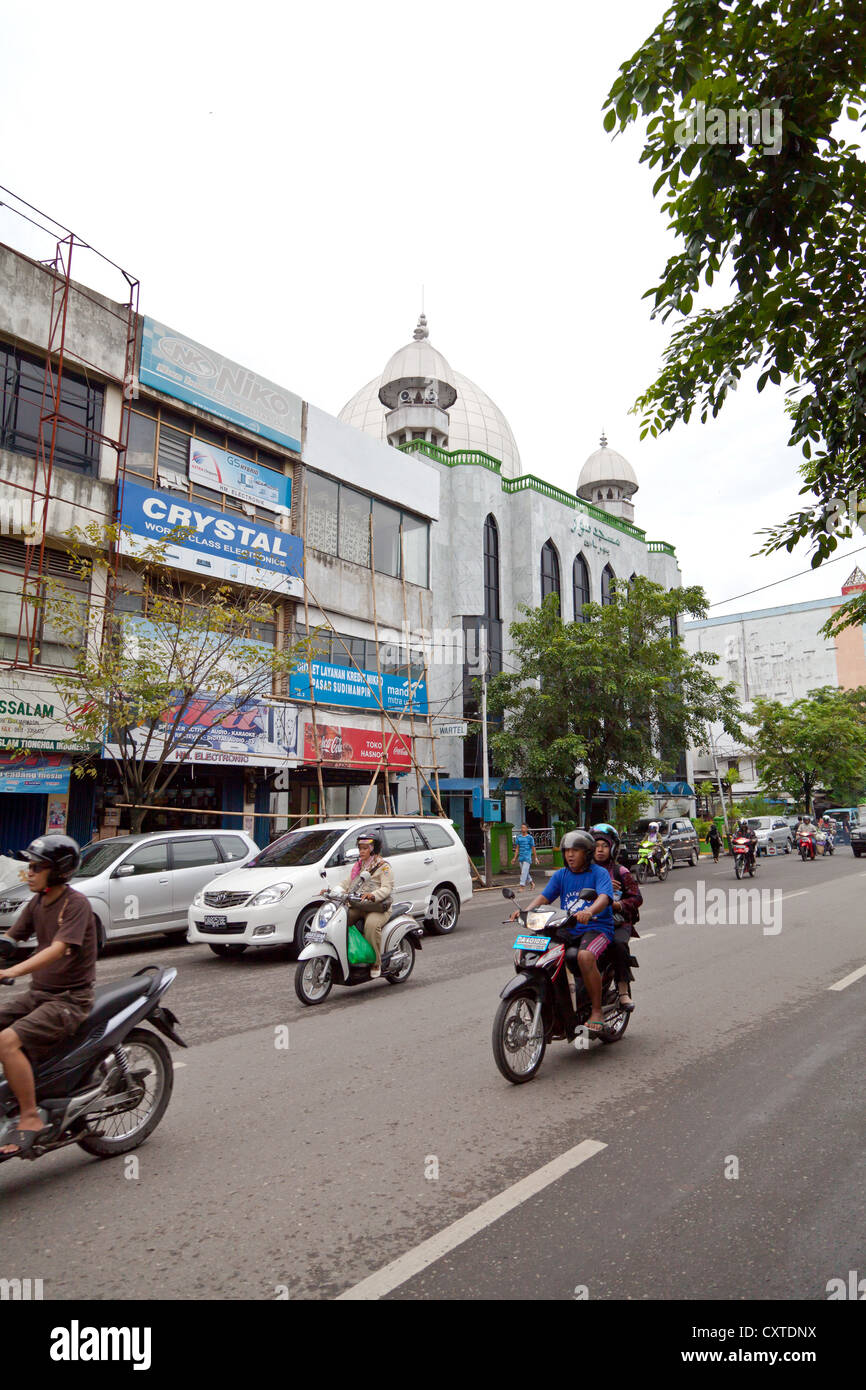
<point x="141" y="884"/>
<point x="772" y="831"/>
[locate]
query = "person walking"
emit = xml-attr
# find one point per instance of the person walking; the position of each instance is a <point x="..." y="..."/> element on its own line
<point x="525" y="854"/>
<point x="714" y="840"/>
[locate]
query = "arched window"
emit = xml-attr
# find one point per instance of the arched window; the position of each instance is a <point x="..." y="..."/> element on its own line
<point x="607" y="579"/>
<point x="580" y="587"/>
<point x="550" y="583"/>
<point x="491" y="569"/>
<point x="610" y="493"/>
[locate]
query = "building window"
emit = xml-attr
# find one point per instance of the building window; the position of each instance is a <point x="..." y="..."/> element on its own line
<point x="322" y="509"/>
<point x="57" y="643"/>
<point x="338" y="522"/>
<point x="354" y="540"/>
<point x="386" y="539"/>
<point x="22" y="378"/>
<point x="607" y="580"/>
<point x="491" y="569"/>
<point x="415" y="544"/>
<point x="580" y="585"/>
<point x="550" y="583"/>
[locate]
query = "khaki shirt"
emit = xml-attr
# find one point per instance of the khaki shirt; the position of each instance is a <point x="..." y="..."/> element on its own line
<point x="379" y="881"/>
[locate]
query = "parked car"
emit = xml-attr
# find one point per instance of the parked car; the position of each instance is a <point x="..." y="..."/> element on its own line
<point x="858" y="839"/>
<point x="772" y="830"/>
<point x="679" y="836"/>
<point x="141" y="884"/>
<point x="274" y="897"/>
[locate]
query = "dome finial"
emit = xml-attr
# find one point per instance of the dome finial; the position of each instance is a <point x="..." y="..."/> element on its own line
<point x="422" y="331"/>
<point x="603" y="440"/>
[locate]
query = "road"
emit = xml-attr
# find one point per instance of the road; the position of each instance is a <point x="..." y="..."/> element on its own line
<point x="726" y="1159"/>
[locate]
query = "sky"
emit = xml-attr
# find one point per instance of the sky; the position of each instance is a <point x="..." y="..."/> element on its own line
<point x="284" y="180"/>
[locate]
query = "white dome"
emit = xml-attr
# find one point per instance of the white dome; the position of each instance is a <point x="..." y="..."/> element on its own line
<point x="417" y="362"/>
<point x="606" y="467"/>
<point x="475" y="421"/>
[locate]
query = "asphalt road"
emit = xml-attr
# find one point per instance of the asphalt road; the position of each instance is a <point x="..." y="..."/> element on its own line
<point x="730" y="1117"/>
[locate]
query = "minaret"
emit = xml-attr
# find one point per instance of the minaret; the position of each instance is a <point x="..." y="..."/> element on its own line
<point x="418" y="389"/>
<point x="607" y="480"/>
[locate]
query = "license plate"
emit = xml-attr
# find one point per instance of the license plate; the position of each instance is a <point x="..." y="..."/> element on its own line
<point x="215" y="923"/>
<point x="531" y="943"/>
<point x="315" y="936"/>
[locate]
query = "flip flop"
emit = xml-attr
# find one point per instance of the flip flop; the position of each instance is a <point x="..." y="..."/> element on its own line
<point x="596" y="1027"/>
<point x="23" y="1139"/>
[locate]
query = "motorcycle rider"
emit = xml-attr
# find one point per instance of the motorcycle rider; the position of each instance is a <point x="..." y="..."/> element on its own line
<point x="571" y="884"/>
<point x="626" y="906"/>
<point x="654" y="837"/>
<point x="806" y="831"/>
<point x="381" y="890"/>
<point x="744" y="831"/>
<point x="63" y="969"/>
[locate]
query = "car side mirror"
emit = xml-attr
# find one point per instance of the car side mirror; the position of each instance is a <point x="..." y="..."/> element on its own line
<point x="351" y="855"/>
<point x="124" y="871"/>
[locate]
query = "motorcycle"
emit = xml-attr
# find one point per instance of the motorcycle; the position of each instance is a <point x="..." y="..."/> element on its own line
<point x="806" y="846"/>
<point x="745" y="859"/>
<point x="649" y="864"/>
<point x="324" y="961"/>
<point x="825" y="842"/>
<point x="108" y="1086"/>
<point x="537" y="1006"/>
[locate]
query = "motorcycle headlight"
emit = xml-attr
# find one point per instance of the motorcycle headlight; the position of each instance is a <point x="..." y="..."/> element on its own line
<point x="325" y="914"/>
<point x="274" y="894"/>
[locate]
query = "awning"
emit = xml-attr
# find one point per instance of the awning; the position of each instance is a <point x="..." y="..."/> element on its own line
<point x="651" y="788"/>
<point x="468" y="784"/>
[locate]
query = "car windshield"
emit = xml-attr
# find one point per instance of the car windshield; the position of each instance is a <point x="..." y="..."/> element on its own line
<point x="759" y="822"/>
<point x="100" y="855"/>
<point x="298" y="847"/>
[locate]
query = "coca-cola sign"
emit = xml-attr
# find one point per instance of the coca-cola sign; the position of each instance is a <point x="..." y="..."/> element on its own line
<point x="348" y="747"/>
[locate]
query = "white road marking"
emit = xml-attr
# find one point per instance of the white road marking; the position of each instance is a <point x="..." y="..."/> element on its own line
<point x="646" y="936"/>
<point x="798" y="894"/>
<point x="429" y="1251"/>
<point x="180" y="1064"/>
<point x="849" y="979"/>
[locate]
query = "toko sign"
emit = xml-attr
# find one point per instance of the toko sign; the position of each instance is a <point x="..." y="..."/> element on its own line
<point x="211" y="544"/>
<point x="183" y="368"/>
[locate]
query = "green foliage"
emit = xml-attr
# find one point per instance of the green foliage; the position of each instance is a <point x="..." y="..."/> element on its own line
<point x="614" y="693"/>
<point x="784" y="222"/>
<point x="627" y="809"/>
<point x="133" y="677"/>
<point x="816" y="742"/>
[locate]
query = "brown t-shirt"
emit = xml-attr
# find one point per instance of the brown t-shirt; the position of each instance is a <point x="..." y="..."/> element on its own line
<point x="69" y="918"/>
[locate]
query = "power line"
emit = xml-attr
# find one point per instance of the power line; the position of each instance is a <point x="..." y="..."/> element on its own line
<point x="776" y="582"/>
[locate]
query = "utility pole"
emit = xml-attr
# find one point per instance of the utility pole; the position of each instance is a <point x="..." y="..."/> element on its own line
<point x="718" y="781"/>
<point x="485" y="775"/>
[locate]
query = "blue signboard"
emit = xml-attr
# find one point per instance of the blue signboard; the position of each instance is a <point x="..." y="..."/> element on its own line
<point x="211" y="544"/>
<point x="34" y="774"/>
<point x="343" y="685"/>
<point x="183" y="368"/>
<point x="237" y="477"/>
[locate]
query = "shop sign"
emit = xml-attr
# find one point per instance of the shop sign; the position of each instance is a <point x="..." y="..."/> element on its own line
<point x="34" y="715"/>
<point x="252" y="734"/>
<point x="350" y="747"/>
<point x="25" y="773"/>
<point x="185" y="369"/>
<point x="458" y="729"/>
<point x="237" y="477"/>
<point x="343" y="685"/>
<point x="210" y="544"/>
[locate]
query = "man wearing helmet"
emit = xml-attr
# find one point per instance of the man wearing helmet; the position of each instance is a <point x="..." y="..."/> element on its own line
<point x="584" y="889"/>
<point x="63" y="969"/>
<point x="627" y="899"/>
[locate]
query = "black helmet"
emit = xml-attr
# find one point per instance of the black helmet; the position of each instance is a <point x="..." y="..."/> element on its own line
<point x="578" y="839"/>
<point x="604" y="831"/>
<point x="59" y="852"/>
<point x="374" y="840"/>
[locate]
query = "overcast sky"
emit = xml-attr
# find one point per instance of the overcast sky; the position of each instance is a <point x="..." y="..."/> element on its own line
<point x="284" y="179"/>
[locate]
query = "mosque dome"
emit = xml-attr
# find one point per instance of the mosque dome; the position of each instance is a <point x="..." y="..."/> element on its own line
<point x="475" y="422"/>
<point x="604" y="469"/>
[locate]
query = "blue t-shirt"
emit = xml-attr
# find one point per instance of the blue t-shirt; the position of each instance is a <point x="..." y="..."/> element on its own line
<point x="525" y="845"/>
<point x="568" y="887"/>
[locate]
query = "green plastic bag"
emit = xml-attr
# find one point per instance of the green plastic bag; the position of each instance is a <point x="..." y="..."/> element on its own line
<point x="360" y="951"/>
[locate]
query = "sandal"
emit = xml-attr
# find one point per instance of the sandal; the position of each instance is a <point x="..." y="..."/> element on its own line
<point x="626" y="1003"/>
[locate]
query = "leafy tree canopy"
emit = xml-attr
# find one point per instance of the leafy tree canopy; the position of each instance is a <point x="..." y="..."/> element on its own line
<point x="816" y="742"/>
<point x="778" y="204"/>
<point x="615" y="692"/>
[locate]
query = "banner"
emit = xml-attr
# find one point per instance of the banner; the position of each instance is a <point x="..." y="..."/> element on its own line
<point x="348" y="747"/>
<point x="343" y="685"/>
<point x="237" y="477"/>
<point x="28" y="773"/>
<point x="215" y="545"/>
<point x="254" y="734"/>
<point x="183" y="368"/>
<point x="34" y="715"/>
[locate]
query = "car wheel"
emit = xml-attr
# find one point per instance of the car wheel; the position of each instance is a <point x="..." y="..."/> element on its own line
<point x="303" y="925"/>
<point x="693" y="859"/>
<point x="444" y="912"/>
<point x="220" y="949"/>
<point x="857" y="852"/>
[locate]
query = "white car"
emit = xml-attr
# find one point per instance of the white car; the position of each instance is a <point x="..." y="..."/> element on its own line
<point x="272" y="899"/>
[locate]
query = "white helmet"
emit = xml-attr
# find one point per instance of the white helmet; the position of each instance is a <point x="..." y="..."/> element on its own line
<point x="653" y="825"/>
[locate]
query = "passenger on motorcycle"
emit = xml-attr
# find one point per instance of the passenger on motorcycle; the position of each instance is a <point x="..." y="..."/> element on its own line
<point x="63" y="969"/>
<point x="379" y="890"/>
<point x="627" y="899"/>
<point x="571" y="885"/>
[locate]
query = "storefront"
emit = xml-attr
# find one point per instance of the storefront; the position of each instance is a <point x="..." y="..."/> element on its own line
<point x="350" y="756"/>
<point x="39" y="787"/>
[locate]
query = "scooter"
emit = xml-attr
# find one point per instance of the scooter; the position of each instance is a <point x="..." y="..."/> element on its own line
<point x="537" y="1007"/>
<point x="745" y="861"/>
<point x="649" y="865"/>
<point x="324" y="961"/>
<point x="108" y="1086"/>
<point x="806" y="846"/>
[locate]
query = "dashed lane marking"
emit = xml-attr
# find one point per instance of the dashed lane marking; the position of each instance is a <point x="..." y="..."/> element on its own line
<point x="849" y="979"/>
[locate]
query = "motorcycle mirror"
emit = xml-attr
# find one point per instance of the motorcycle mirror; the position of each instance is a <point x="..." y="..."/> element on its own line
<point x="508" y="893"/>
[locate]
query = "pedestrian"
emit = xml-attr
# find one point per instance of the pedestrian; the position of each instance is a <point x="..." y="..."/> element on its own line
<point x="714" y="840"/>
<point x="524" y="852"/>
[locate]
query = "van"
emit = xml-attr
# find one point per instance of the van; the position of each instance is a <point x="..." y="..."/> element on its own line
<point x="273" y="898"/>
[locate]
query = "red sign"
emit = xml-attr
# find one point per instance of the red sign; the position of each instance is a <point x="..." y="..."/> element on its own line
<point x="342" y="745"/>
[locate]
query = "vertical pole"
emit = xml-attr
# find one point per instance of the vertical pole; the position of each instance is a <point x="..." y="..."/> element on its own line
<point x="409" y="673"/>
<point x="719" y="783"/>
<point x="389" y="809"/>
<point x="485" y="774"/>
<point x="312" y="687"/>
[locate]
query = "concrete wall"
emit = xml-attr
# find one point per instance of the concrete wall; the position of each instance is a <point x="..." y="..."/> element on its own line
<point x="343" y="452"/>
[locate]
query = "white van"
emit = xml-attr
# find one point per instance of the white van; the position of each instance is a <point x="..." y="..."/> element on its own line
<point x="273" y="898"/>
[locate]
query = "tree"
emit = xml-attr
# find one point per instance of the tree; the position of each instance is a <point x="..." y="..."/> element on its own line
<point x="774" y="195"/>
<point x="816" y="742"/>
<point x="150" y="680"/>
<point x="615" y="693"/>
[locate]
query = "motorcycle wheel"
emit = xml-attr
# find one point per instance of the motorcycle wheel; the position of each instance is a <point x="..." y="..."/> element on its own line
<point x="753" y="868"/>
<point x="397" y="977"/>
<point x="118" y="1134"/>
<point x="614" y="1030"/>
<point x="663" y="871"/>
<point x="640" y="873"/>
<point x="313" y="979"/>
<point x="738" y="866"/>
<point x="515" y="1056"/>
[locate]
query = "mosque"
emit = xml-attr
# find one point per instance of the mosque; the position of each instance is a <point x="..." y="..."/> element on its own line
<point x="504" y="538"/>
